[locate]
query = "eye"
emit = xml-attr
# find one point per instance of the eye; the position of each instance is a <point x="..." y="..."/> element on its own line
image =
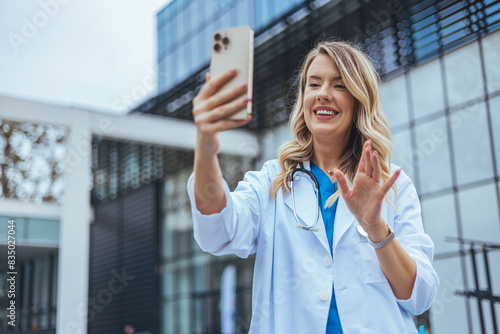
<point x="339" y="86"/>
<point x="313" y="84"/>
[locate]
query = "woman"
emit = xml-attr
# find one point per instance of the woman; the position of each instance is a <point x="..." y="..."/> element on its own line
<point x="368" y="266"/>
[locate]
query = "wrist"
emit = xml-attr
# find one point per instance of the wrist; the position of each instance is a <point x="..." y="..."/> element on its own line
<point x="378" y="231"/>
<point x="207" y="145"/>
<point x="383" y="242"/>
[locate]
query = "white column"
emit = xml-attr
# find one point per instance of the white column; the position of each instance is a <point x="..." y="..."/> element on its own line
<point x="72" y="293"/>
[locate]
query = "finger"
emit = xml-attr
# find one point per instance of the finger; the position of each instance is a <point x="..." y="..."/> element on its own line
<point x="207" y="77"/>
<point x="229" y="124"/>
<point x="361" y="165"/>
<point x="376" y="166"/>
<point x="368" y="160"/>
<point x="388" y="184"/>
<point x="213" y="85"/>
<point x="339" y="176"/>
<point x="226" y="110"/>
<point x="224" y="97"/>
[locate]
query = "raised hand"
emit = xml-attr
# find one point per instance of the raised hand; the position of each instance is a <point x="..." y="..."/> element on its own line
<point x="365" y="198"/>
<point x="211" y="107"/>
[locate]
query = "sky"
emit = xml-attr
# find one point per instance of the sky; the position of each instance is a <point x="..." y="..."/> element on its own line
<point x="96" y="55"/>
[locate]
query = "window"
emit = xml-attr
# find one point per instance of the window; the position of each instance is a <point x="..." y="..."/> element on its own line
<point x="479" y="212"/>
<point x="176" y="22"/>
<point x="427" y="89"/>
<point x="245" y="16"/>
<point x="187" y="22"/>
<point x="395" y="101"/>
<point x="464" y="83"/>
<point x="198" y="14"/>
<point x="43" y="230"/>
<point x="211" y="9"/>
<point x="447" y="305"/>
<point x="403" y="156"/>
<point x="166" y="71"/>
<point x="183" y="62"/>
<point x="262" y="13"/>
<point x="195" y="47"/>
<point x="471" y="144"/>
<point x="440" y="221"/>
<point x="233" y="16"/>
<point x="432" y="156"/>
<point x="161" y="40"/>
<point x="225" y="18"/>
<point x="281" y="7"/>
<point x="491" y="61"/>
<point x="495" y="124"/>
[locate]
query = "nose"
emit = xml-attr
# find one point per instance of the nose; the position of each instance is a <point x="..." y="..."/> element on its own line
<point x="324" y="94"/>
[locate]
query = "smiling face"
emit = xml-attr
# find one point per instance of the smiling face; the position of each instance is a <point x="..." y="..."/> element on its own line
<point x="328" y="105"/>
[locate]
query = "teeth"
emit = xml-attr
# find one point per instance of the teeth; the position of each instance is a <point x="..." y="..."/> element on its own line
<point x="325" y="112"/>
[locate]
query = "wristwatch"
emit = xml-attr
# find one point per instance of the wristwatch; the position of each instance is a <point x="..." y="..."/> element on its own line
<point x="383" y="242"/>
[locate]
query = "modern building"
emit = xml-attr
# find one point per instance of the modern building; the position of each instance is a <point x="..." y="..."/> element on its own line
<point x="138" y="262"/>
<point x="37" y="245"/>
<point x="82" y="261"/>
<point x="185" y="30"/>
<point x="440" y="68"/>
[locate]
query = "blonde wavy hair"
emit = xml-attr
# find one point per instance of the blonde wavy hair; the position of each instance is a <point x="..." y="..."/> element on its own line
<point x="363" y="82"/>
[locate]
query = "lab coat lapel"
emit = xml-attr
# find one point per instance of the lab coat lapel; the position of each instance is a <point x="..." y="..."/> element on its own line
<point x="306" y="205"/>
<point x="343" y="221"/>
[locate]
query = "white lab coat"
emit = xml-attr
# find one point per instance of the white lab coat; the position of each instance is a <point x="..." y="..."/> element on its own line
<point x="294" y="270"/>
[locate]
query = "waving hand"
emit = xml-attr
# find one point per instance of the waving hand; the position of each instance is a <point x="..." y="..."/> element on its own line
<point x="365" y="198"/>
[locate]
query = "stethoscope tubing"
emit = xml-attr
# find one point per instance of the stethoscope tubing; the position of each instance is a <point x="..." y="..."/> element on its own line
<point x="313" y="227"/>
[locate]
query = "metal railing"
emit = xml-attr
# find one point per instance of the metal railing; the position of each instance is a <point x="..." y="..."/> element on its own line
<point x="474" y="248"/>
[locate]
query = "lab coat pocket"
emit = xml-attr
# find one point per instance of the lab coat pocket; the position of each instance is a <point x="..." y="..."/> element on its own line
<point x="371" y="266"/>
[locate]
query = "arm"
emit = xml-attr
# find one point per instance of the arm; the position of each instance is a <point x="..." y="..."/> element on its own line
<point x="406" y="260"/>
<point x="216" y="211"/>
<point x="235" y="229"/>
<point x="210" y="110"/>
<point x="398" y="267"/>
<point x="409" y="231"/>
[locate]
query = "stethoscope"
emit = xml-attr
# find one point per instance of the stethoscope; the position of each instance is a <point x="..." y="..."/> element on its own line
<point x="301" y="168"/>
<point x="312" y="227"/>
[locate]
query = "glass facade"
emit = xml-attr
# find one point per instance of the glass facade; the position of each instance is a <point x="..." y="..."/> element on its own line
<point x="37" y="243"/>
<point x="185" y="30"/>
<point x="191" y="279"/>
<point x="448" y="137"/>
<point x="441" y="92"/>
<point x="452" y="154"/>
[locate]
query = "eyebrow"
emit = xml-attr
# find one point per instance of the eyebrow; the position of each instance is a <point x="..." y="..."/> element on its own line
<point x="317" y="77"/>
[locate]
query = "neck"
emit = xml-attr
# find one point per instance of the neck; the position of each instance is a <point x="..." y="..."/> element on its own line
<point x="327" y="155"/>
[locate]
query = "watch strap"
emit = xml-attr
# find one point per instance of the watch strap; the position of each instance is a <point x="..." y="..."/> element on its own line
<point x="384" y="242"/>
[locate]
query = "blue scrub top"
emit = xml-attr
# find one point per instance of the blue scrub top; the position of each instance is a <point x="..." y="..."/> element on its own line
<point x="326" y="189"/>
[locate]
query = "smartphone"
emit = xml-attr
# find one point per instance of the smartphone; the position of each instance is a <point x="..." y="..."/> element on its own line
<point x="233" y="48"/>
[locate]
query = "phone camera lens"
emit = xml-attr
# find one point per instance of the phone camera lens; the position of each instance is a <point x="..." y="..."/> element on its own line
<point x="225" y="41"/>
<point x="217" y="37"/>
<point x="217" y="47"/>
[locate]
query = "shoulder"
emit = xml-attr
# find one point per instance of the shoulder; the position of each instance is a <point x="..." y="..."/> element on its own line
<point x="403" y="178"/>
<point x="267" y="173"/>
<point x="271" y="167"/>
<point x="405" y="189"/>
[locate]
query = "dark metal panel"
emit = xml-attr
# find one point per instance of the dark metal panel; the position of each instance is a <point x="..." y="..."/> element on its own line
<point x="104" y="237"/>
<point x="123" y="280"/>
